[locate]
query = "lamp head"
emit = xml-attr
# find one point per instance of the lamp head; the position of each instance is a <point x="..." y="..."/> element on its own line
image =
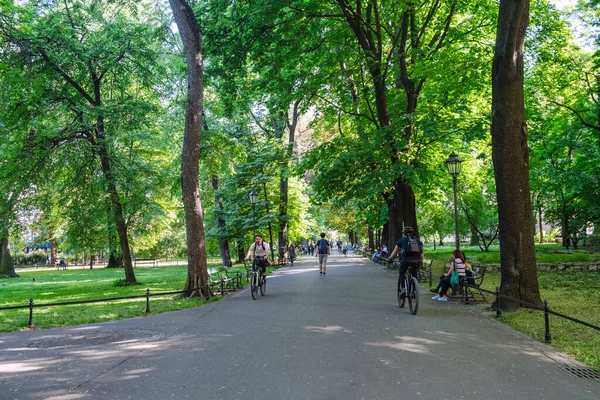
<point x="453" y="163"/>
<point x="253" y="196"/>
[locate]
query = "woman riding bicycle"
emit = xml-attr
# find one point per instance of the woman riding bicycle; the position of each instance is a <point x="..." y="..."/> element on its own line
<point x="261" y="254"/>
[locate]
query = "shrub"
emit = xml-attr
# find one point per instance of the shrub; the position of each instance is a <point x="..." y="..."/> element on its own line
<point x="593" y="240"/>
<point x="549" y="237"/>
<point x="34" y="257"/>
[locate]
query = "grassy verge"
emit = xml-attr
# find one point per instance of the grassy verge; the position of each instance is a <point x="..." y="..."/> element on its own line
<point x="570" y="293"/>
<point x="53" y="286"/>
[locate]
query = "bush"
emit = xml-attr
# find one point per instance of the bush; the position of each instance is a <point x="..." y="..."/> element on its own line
<point x="34" y="257"/>
<point x="593" y="240"/>
<point x="549" y="237"/>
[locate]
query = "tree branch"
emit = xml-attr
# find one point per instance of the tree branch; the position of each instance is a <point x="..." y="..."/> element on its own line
<point x="583" y="121"/>
<point x="67" y="77"/>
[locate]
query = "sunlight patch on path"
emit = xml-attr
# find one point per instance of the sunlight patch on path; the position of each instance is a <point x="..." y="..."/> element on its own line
<point x="407" y="343"/>
<point x="328" y="330"/>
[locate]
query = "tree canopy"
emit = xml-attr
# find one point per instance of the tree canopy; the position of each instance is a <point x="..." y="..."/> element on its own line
<point x="339" y="114"/>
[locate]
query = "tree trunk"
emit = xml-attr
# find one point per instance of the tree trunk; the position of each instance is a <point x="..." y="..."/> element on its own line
<point x="270" y="228"/>
<point x="116" y="205"/>
<point x="474" y="238"/>
<point x="241" y="251"/>
<point x="401" y="208"/>
<point x="283" y="178"/>
<point x="371" y="239"/>
<point x="7" y="266"/>
<point x="540" y="221"/>
<point x="223" y="242"/>
<point x="114" y="258"/>
<point x="283" y="218"/>
<point x="52" y="240"/>
<point x="511" y="158"/>
<point x="191" y="36"/>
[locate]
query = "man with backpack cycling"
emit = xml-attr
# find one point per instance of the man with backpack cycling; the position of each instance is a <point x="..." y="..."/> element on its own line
<point x="323" y="250"/>
<point x="412" y="254"/>
<point x="261" y="254"/>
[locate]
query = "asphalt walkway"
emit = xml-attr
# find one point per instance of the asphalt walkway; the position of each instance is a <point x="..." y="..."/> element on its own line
<point x="341" y="336"/>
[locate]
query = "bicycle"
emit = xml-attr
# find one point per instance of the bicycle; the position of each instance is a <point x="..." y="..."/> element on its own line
<point x="412" y="289"/>
<point x="257" y="281"/>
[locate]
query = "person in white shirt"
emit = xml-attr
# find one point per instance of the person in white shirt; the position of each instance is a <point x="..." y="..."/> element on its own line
<point x="261" y="253"/>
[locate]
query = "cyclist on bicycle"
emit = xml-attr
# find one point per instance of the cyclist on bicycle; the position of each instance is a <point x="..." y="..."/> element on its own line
<point x="261" y="254"/>
<point x="412" y="254"/>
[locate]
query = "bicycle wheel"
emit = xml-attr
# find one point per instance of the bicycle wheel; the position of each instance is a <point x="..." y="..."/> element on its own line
<point x="401" y="299"/>
<point x="413" y="295"/>
<point x="254" y="285"/>
<point x="263" y="286"/>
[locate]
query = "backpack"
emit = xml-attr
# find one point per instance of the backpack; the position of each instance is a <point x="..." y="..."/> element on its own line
<point x="322" y="246"/>
<point x="414" y="248"/>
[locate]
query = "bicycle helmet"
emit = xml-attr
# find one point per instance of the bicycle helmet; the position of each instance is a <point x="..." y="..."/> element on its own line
<point x="408" y="229"/>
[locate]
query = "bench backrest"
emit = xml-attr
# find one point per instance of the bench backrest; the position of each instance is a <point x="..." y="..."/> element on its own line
<point x="213" y="271"/>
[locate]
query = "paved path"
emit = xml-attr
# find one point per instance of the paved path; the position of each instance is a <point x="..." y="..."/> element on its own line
<point x="336" y="337"/>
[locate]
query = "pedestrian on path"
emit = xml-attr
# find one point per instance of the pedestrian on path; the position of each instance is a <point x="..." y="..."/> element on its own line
<point x="292" y="253"/>
<point x="324" y="249"/>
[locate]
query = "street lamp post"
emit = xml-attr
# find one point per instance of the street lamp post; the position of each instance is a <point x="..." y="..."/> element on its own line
<point x="253" y="196"/>
<point x="453" y="162"/>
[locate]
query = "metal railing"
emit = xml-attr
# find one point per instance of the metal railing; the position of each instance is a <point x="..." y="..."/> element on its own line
<point x="147" y="296"/>
<point x="544" y="308"/>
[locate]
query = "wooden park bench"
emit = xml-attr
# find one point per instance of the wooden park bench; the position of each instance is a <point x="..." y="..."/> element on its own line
<point x="231" y="279"/>
<point x="470" y="287"/>
<point x="215" y="279"/>
<point x="145" y="261"/>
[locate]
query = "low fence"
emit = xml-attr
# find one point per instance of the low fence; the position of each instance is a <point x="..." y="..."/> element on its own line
<point x="147" y="295"/>
<point x="545" y="309"/>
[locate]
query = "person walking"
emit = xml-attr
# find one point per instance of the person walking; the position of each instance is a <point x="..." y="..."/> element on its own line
<point x="323" y="251"/>
<point x="292" y="253"/>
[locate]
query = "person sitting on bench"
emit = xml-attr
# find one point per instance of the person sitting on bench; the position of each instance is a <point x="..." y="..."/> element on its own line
<point x="458" y="263"/>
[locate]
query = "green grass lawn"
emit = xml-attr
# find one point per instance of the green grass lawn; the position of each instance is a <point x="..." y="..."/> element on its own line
<point x="570" y="293"/>
<point x="51" y="286"/>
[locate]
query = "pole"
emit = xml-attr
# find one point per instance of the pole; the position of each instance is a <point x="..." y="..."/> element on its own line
<point x="547" y="336"/>
<point x="254" y="222"/>
<point x="456" y="213"/>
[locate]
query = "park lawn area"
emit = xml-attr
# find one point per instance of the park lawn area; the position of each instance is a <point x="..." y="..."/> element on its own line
<point x="51" y="286"/>
<point x="571" y="293"/>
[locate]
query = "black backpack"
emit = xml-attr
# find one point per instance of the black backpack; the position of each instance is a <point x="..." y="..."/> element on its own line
<point x="322" y="246"/>
<point x="414" y="248"/>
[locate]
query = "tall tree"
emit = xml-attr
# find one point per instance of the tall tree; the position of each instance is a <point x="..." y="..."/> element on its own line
<point x="408" y="34"/>
<point x="510" y="156"/>
<point x="191" y="36"/>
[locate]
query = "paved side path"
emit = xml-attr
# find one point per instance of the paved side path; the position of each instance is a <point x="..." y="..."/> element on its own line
<point x="341" y="336"/>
